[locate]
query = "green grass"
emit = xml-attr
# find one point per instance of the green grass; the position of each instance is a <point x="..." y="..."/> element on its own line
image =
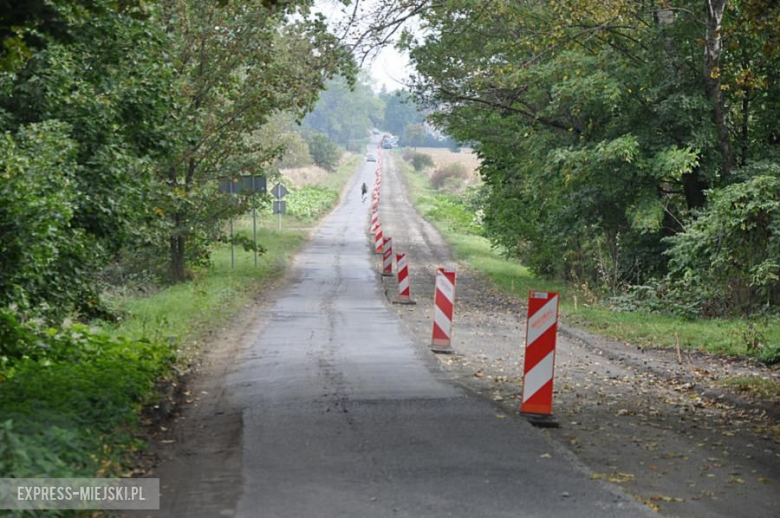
<point x="719" y="336"/>
<point x="184" y="311"/>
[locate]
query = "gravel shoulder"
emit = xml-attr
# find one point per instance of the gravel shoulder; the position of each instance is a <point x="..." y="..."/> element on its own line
<point x="667" y="433"/>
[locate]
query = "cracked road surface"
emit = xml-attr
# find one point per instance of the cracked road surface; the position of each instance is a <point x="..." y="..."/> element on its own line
<point x="330" y="407"/>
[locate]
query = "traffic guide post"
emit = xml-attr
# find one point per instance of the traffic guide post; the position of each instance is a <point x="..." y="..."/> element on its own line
<point x="280" y="206"/>
<point x="540" y="337"/>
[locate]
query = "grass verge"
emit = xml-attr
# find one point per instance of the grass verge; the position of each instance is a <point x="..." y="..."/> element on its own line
<point x="734" y="337"/>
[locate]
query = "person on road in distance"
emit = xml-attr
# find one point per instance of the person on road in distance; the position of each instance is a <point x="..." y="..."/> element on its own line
<point x="363" y="191"/>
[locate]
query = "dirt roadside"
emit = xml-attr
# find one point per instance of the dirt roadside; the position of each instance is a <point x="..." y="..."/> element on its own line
<point x="666" y="433"/>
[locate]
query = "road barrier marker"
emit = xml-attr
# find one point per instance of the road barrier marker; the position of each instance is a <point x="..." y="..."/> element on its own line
<point x="539" y="366"/>
<point x="387" y="256"/>
<point x="443" y="310"/>
<point x="374" y="221"/>
<point x="404" y="293"/>
<point x="378" y="239"/>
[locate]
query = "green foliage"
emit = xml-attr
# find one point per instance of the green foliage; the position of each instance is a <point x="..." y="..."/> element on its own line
<point x="400" y="112"/>
<point x="345" y="112"/>
<point x="413" y="135"/>
<point x="454" y="173"/>
<point x="255" y="60"/>
<point x="70" y="398"/>
<point x="324" y="151"/>
<point x="45" y="258"/>
<point x="642" y="317"/>
<point x="308" y="203"/>
<point x="82" y="117"/>
<point x="420" y="161"/>
<point x="595" y="148"/>
<point x="729" y="256"/>
<point x="451" y="212"/>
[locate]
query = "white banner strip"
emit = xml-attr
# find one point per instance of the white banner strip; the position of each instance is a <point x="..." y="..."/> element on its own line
<point x="444" y="285"/>
<point x="542" y="320"/>
<point x="538" y="376"/>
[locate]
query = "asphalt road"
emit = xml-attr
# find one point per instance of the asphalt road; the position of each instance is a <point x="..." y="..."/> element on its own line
<point x="337" y="411"/>
<point x="343" y="415"/>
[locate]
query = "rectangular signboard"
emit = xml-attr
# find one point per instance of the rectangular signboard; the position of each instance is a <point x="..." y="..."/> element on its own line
<point x="244" y="185"/>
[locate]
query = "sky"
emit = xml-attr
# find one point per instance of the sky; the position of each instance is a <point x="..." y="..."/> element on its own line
<point x="389" y="68"/>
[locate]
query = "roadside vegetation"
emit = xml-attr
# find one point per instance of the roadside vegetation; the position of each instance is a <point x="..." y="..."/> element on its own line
<point x="114" y="244"/>
<point x="458" y="217"/>
<point x="71" y="395"/>
<point x="629" y="152"/>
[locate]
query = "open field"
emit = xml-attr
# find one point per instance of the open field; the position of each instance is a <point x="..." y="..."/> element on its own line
<point x="314" y="175"/>
<point x="444" y="157"/>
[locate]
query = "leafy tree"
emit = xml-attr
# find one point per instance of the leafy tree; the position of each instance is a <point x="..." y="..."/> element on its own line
<point x="421" y="160"/>
<point x="324" y="151"/>
<point x="236" y="64"/>
<point x="414" y="135"/>
<point x="601" y="127"/>
<point x="729" y="257"/>
<point x="345" y="112"/>
<point x="400" y="112"/>
<point x="86" y="79"/>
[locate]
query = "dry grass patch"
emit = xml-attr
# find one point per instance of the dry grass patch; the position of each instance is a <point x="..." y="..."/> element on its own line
<point x="443" y="157"/>
<point x="311" y="175"/>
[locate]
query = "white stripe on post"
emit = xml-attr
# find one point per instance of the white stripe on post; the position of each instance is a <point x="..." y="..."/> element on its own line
<point x="535" y="379"/>
<point x="542" y="320"/>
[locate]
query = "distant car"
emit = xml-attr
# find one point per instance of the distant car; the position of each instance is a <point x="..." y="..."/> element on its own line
<point x="375" y="132"/>
<point x="370" y="158"/>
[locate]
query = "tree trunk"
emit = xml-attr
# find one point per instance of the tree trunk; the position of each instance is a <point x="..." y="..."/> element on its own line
<point x="713" y="48"/>
<point x="177" y="258"/>
<point x="694" y="187"/>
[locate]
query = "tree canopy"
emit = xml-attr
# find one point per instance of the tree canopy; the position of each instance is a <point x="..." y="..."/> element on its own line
<point x="120" y="118"/>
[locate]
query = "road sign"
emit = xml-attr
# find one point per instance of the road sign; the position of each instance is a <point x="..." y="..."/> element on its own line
<point x="279" y="191"/>
<point x="244" y="185"/>
<point x="280" y="207"/>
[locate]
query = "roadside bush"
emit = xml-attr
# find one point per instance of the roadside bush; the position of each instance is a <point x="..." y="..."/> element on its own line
<point x="308" y="203"/>
<point x="45" y="259"/>
<point x="454" y="173"/>
<point x="420" y="161"/>
<point x="450" y="210"/>
<point x="324" y="151"/>
<point x="70" y="398"/>
<point x="296" y="152"/>
<point x="729" y="257"/>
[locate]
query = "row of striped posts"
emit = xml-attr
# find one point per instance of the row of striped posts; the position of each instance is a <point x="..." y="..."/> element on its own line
<point x="541" y="328"/>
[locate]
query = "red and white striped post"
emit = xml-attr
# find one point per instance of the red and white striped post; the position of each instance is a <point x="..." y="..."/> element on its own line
<point x="378" y="237"/>
<point x="387" y="257"/>
<point x="443" y="310"/>
<point x="540" y="336"/>
<point x="404" y="292"/>
<point x="374" y="221"/>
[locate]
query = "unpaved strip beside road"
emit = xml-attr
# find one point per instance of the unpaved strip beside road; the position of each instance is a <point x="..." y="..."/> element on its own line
<point x="633" y="417"/>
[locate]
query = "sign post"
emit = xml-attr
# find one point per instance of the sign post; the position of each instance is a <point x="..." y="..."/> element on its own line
<point x="280" y="206"/>
<point x="253" y="184"/>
